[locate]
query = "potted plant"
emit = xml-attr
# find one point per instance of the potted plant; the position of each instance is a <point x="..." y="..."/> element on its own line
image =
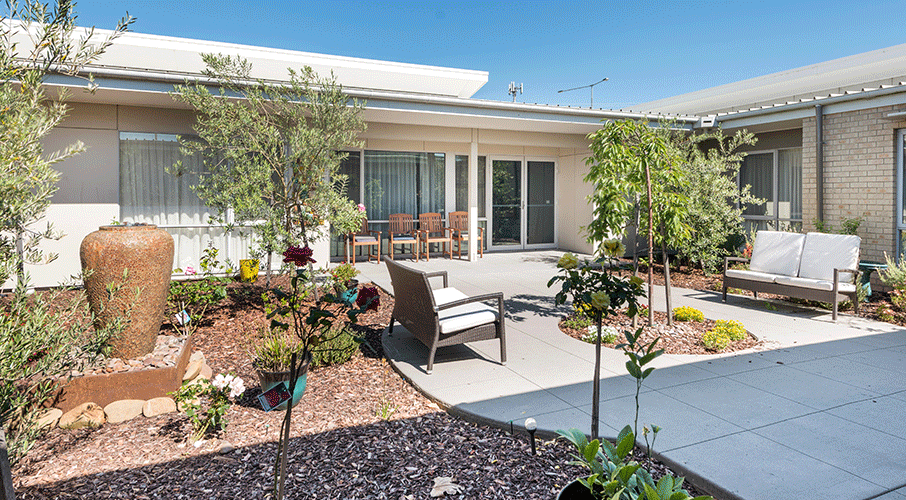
<point x="344" y="283"/>
<point x="272" y="358"/>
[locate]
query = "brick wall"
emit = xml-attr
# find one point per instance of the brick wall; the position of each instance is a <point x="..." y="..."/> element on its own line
<point x="859" y="175"/>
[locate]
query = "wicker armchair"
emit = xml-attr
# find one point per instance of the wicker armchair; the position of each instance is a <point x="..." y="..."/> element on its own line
<point x="445" y="316"/>
<point x="431" y="230"/>
<point x="459" y="225"/>
<point x="364" y="237"/>
<point x="402" y="232"/>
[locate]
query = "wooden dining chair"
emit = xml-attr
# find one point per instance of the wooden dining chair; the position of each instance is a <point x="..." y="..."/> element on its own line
<point x="364" y="238"/>
<point x="431" y="230"/>
<point x="459" y="225"/>
<point x="403" y="232"/>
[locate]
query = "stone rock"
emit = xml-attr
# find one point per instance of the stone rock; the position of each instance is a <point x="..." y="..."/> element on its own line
<point x="225" y="447"/>
<point x="84" y="415"/>
<point x="49" y="417"/>
<point x="193" y="369"/>
<point x="206" y="372"/>
<point x="123" y="410"/>
<point x="196" y="356"/>
<point x="158" y="406"/>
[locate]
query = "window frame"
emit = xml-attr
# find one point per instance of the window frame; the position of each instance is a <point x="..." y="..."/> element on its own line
<point x="775" y="219"/>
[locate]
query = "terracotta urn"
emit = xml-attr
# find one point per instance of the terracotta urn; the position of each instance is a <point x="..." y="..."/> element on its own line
<point x="135" y="261"/>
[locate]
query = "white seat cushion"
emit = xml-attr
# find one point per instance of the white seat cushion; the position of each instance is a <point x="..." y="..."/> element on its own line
<point x="365" y="239"/>
<point x="815" y="284"/>
<point x="777" y="252"/>
<point x="751" y="275"/>
<point x="459" y="318"/>
<point x="825" y="252"/>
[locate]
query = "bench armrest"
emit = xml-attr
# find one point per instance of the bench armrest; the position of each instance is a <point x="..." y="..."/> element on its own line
<point x="854" y="272"/>
<point x="727" y="261"/>
<point x="477" y="298"/>
<point x="437" y="274"/>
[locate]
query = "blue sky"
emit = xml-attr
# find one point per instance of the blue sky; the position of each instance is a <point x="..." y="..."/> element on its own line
<point x="647" y="50"/>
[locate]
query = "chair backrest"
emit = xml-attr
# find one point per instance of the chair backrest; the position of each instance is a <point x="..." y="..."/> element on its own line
<point x="459" y="221"/>
<point x="401" y="223"/>
<point x="412" y="291"/>
<point x="364" y="228"/>
<point x="430" y="222"/>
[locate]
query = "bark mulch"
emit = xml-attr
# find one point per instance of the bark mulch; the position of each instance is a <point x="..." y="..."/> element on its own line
<point x="341" y="447"/>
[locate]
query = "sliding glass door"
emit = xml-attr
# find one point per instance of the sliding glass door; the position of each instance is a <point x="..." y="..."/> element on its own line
<point x="522" y="204"/>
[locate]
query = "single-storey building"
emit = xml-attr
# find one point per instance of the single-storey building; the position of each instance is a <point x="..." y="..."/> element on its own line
<point x="429" y="147"/>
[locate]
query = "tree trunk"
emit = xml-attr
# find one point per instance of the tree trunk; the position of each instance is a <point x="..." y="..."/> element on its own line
<point x="6" y="475"/>
<point x="650" y="247"/>
<point x="596" y="383"/>
<point x="667" y="281"/>
<point x="268" y="273"/>
<point x="635" y="254"/>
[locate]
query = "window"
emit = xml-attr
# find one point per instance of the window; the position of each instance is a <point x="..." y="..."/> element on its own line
<point x="776" y="177"/>
<point x="148" y="194"/>
<point x="408" y="183"/>
<point x="462" y="184"/>
<point x="901" y="193"/>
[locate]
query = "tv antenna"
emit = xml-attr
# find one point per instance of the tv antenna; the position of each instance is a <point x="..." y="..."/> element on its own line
<point x="514" y="90"/>
<point x="592" y="87"/>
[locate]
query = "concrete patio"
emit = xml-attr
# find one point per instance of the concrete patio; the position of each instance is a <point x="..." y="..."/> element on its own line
<point x="816" y="413"/>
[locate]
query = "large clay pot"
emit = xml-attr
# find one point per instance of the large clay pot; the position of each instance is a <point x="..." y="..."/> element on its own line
<point x="147" y="253"/>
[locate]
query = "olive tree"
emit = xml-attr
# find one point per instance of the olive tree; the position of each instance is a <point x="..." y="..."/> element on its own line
<point x="37" y="41"/>
<point x="272" y="151"/>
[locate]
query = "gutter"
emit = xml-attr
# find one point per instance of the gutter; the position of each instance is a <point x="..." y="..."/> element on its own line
<point x="824" y="101"/>
<point x="819" y="157"/>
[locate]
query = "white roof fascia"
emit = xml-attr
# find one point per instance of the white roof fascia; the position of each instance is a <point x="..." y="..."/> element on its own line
<point x="889" y="96"/>
<point x="182" y="56"/>
<point x="853" y="73"/>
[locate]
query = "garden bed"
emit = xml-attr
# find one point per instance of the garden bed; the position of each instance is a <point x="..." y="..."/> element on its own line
<point x="341" y="447"/>
<point x="684" y="337"/>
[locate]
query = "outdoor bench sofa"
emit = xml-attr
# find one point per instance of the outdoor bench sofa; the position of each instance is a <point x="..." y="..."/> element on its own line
<point x="813" y="266"/>
<point x="444" y="316"/>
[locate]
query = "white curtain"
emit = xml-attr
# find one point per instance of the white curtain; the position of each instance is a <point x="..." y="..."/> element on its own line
<point x="397" y="182"/>
<point x="789" y="186"/>
<point x="148" y="194"/>
<point x="757" y="170"/>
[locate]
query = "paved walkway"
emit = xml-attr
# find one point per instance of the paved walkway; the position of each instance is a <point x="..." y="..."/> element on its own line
<point x="818" y="413"/>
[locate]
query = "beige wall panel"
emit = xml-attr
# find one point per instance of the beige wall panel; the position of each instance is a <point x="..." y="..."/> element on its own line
<point x="420" y="133"/>
<point x="499" y="150"/>
<point x="155" y="120"/>
<point x="573" y="211"/>
<point x="98" y="116"/>
<point x="75" y="221"/>
<point x="392" y="145"/>
<point x="91" y="176"/>
<point x="777" y="140"/>
<point x="538" y="151"/>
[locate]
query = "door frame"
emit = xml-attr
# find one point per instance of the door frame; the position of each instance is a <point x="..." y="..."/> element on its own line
<point x="523" y="211"/>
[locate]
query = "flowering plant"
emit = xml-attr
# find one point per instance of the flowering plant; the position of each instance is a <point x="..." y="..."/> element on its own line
<point x="206" y="402"/>
<point x="313" y="326"/>
<point x="598" y="293"/>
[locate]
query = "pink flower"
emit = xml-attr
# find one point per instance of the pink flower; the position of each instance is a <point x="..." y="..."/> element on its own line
<point x="190" y="271"/>
<point x="361" y="208"/>
<point x="365" y="295"/>
<point x="298" y="256"/>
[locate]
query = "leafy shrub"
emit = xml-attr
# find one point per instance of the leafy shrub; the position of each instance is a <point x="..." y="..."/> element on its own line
<point x="895" y="274"/>
<point x="578" y="322"/>
<point x="732" y="329"/>
<point x="43" y="338"/>
<point x="687" y="313"/>
<point x="715" y="340"/>
<point x="343" y="273"/>
<point x="851" y="226"/>
<point x="337" y="349"/>
<point x="612" y="476"/>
